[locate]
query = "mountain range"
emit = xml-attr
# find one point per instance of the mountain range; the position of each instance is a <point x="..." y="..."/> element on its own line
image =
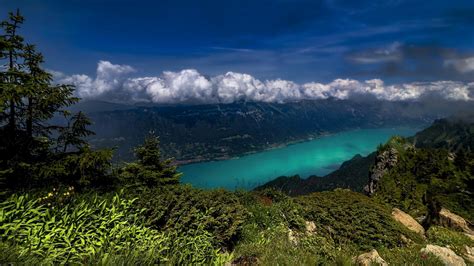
<point x="191" y="133"/>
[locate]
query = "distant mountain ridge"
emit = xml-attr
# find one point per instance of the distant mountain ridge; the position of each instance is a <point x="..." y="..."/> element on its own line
<point x="453" y="133"/>
<point x="218" y="131"/>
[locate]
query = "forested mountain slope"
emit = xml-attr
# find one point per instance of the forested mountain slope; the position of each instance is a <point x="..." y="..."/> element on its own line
<point x="203" y="132"/>
<point x="454" y="134"/>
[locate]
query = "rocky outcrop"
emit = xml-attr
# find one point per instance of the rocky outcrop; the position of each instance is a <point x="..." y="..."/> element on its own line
<point x="383" y="162"/>
<point x="471" y="236"/>
<point x="468" y="254"/>
<point x="451" y="220"/>
<point x="445" y="255"/>
<point x="407" y="221"/>
<point x="370" y="258"/>
<point x="292" y="237"/>
<point x="310" y="227"/>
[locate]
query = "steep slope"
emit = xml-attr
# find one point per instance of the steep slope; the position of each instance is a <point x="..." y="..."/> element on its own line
<point x="455" y="134"/>
<point x="421" y="181"/>
<point x="352" y="174"/>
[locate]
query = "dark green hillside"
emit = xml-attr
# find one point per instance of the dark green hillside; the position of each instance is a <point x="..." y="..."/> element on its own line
<point x="351" y="174"/>
<point x="454" y="134"/>
<point x="425" y="179"/>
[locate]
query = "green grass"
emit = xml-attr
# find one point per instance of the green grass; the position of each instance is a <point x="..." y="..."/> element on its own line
<point x="408" y="256"/>
<point x="111" y="229"/>
<point x="444" y="237"/>
<point x="93" y="229"/>
<point x="350" y="217"/>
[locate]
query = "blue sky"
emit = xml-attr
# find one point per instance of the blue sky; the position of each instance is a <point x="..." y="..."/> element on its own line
<point x="393" y="40"/>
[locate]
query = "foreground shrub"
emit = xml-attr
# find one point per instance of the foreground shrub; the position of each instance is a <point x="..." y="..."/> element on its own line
<point x="81" y="231"/>
<point x="184" y="209"/>
<point x="424" y="180"/>
<point x="352" y="218"/>
<point x="409" y="256"/>
<point x="444" y="237"/>
<point x="93" y="229"/>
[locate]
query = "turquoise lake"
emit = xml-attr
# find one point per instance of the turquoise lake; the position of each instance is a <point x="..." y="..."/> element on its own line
<point x="316" y="157"/>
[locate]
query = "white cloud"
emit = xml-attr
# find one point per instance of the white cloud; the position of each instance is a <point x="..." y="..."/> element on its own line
<point x="390" y="53"/>
<point x="108" y="77"/>
<point x="463" y="65"/>
<point x="113" y="83"/>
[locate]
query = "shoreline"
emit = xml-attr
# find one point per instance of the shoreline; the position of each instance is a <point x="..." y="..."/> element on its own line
<point x="180" y="163"/>
<point x="271" y="147"/>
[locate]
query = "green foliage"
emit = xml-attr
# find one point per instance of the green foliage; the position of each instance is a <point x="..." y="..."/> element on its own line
<point x="184" y="209"/>
<point x="424" y="178"/>
<point x="444" y="237"/>
<point x="32" y="150"/>
<point x="84" y="168"/>
<point x="454" y="134"/>
<point x="348" y="217"/>
<point x="265" y="234"/>
<point x="85" y="230"/>
<point x="272" y="247"/>
<point x="409" y="256"/>
<point x="272" y="208"/>
<point x="75" y="132"/>
<point x="92" y="229"/>
<point x="150" y="170"/>
<point x="398" y="143"/>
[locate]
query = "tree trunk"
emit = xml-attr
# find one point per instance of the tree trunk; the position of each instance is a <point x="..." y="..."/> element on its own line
<point x="12" y="121"/>
<point x="29" y="119"/>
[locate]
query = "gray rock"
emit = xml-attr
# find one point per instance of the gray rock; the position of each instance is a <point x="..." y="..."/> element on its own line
<point x="445" y="255"/>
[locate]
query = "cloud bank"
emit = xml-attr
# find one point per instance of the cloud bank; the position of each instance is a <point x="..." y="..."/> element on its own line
<point x="115" y="83"/>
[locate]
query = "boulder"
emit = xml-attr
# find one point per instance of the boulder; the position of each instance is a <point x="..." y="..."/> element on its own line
<point x="451" y="220"/>
<point x="468" y="254"/>
<point x="370" y="258"/>
<point x="405" y="240"/>
<point x="445" y="255"/>
<point x="310" y="227"/>
<point x="292" y="237"/>
<point x="407" y="221"/>
<point x="471" y="236"/>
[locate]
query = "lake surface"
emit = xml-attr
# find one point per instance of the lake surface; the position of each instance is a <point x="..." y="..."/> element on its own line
<point x="316" y="157"/>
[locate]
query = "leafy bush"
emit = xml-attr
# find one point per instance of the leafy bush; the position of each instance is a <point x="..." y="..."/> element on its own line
<point x="271" y="246"/>
<point x="409" y="256"/>
<point x="87" y="229"/>
<point x="94" y="229"/>
<point x="444" y="237"/>
<point x="280" y="210"/>
<point x="423" y="178"/>
<point x="350" y="218"/>
<point x="182" y="208"/>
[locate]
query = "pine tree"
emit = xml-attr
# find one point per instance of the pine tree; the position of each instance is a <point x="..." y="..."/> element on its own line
<point x="28" y="101"/>
<point x="150" y="169"/>
<point x="28" y="97"/>
<point x="10" y="77"/>
<point x="75" y="132"/>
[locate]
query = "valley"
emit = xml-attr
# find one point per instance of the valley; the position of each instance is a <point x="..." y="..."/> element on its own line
<point x="315" y="157"/>
<point x="194" y="133"/>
